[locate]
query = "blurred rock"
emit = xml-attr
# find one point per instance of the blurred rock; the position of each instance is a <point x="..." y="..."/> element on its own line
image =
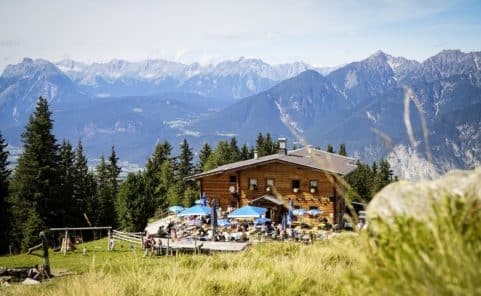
<point x="29" y="281"/>
<point x="416" y="199"/>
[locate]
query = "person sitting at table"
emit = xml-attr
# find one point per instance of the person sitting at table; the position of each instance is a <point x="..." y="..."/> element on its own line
<point x="173" y="234"/>
<point x="34" y="273"/>
<point x="202" y="231"/>
<point x="243" y="236"/>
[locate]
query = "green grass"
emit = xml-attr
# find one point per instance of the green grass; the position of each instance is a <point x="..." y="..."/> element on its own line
<point x="407" y="257"/>
<point x="441" y="256"/>
<point x="75" y="261"/>
<point x="267" y="269"/>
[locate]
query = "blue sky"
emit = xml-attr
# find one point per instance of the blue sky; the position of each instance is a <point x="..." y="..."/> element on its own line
<point x="320" y="32"/>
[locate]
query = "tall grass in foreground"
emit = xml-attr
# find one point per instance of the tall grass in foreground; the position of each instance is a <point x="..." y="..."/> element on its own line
<point x="441" y="256"/>
<point x="267" y="269"/>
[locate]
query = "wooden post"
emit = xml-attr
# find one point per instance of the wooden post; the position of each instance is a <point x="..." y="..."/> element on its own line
<point x="108" y="240"/>
<point x="45" y="253"/>
<point x="66" y="244"/>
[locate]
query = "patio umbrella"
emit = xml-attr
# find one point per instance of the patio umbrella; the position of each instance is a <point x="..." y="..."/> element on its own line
<point x="248" y="212"/>
<point x="176" y="209"/>
<point x="299" y="212"/>
<point x="223" y="223"/>
<point x="195" y="211"/>
<point x="314" y="212"/>
<point x="261" y="220"/>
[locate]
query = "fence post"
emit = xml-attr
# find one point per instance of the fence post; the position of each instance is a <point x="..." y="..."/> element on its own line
<point x="66" y="243"/>
<point x="108" y="240"/>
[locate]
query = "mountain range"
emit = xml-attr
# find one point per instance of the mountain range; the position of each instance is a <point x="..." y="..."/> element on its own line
<point x="425" y="117"/>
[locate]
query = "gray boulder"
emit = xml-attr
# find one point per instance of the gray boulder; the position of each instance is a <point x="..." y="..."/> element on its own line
<point x="416" y="199"/>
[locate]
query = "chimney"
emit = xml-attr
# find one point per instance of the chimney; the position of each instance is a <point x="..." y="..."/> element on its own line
<point x="282" y="146"/>
<point x="256" y="154"/>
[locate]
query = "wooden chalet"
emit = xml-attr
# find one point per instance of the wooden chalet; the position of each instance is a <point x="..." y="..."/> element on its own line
<point x="311" y="178"/>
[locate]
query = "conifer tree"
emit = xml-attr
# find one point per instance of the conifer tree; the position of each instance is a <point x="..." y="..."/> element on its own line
<point x="114" y="171"/>
<point x="4" y="206"/>
<point x="84" y="188"/>
<point x="185" y="168"/>
<point x="385" y="173"/>
<point x="260" y="145"/>
<point x="66" y="175"/>
<point x="166" y="182"/>
<point x="35" y="200"/>
<point x="134" y="205"/>
<point x="234" y="150"/>
<point x="153" y="172"/>
<point x="204" y="155"/>
<point x="245" y="153"/>
<point x="270" y="147"/>
<point x="186" y="156"/>
<point x="105" y="213"/>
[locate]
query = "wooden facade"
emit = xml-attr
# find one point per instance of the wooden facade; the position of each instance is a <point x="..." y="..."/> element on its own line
<point x="234" y="187"/>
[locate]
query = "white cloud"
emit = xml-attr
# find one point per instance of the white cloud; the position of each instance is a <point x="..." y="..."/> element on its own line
<point x="321" y="32"/>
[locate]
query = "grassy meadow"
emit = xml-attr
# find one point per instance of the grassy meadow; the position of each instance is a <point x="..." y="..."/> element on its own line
<point x="265" y="269"/>
<point x="440" y="256"/>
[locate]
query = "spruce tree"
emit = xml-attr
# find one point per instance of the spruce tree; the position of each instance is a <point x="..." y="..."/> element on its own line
<point x="66" y="176"/>
<point x="234" y="150"/>
<point x="152" y="174"/>
<point x="35" y="200"/>
<point x="4" y="206"/>
<point x="385" y="173"/>
<point x="270" y="146"/>
<point x="105" y="214"/>
<point x="342" y="150"/>
<point x="114" y="171"/>
<point x="260" y="145"/>
<point x="245" y="153"/>
<point x="84" y="188"/>
<point x="185" y="168"/>
<point x="186" y="156"/>
<point x="361" y="181"/>
<point x="204" y="155"/>
<point x="134" y="206"/>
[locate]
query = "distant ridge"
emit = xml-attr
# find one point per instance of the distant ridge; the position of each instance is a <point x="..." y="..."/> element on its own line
<point x="133" y="105"/>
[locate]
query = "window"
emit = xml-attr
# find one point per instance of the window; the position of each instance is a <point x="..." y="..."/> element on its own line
<point x="313" y="208"/>
<point x="296" y="184"/>
<point x="252" y="184"/>
<point x="269" y="184"/>
<point x="232" y="179"/>
<point x="313" y="186"/>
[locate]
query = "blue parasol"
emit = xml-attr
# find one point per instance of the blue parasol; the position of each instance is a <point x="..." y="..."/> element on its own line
<point x="176" y="209"/>
<point x="223" y="223"/>
<point x="195" y="211"/>
<point x="261" y="220"/>
<point x="248" y="212"/>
